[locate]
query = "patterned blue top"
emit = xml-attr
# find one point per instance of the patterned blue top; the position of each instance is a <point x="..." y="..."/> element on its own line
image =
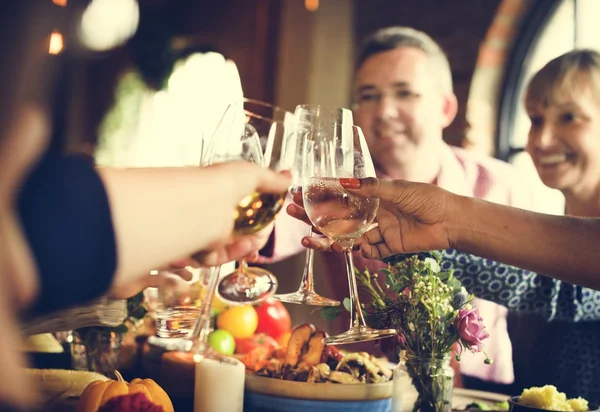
<point x="567" y="355"/>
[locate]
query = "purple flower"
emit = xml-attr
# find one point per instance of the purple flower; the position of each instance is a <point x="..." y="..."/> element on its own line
<point x="471" y="329"/>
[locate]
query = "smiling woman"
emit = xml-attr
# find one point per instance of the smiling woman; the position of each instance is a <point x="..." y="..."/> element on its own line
<point x="563" y="104"/>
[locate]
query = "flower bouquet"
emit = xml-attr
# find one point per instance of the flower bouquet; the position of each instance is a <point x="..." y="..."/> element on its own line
<point x="432" y="312"/>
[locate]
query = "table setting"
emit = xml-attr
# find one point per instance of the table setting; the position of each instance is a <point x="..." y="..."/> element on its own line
<point x="223" y="340"/>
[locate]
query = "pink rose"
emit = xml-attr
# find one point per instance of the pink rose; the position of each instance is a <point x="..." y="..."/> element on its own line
<point x="471" y="329"/>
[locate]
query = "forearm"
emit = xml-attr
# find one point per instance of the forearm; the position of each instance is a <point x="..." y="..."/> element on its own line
<point x="559" y="246"/>
<point x="160" y="215"/>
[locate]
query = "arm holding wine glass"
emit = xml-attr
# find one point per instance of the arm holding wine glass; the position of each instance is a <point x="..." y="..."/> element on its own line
<point x="200" y="223"/>
<point x="418" y="217"/>
<point x="122" y="223"/>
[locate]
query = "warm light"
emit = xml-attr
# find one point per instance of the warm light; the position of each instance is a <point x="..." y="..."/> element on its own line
<point x="56" y="43"/>
<point x="108" y="23"/>
<point x="245" y="202"/>
<point x="60" y="3"/>
<point x="311" y="5"/>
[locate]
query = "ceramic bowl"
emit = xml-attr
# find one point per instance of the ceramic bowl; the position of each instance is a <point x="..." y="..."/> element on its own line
<point x="276" y="395"/>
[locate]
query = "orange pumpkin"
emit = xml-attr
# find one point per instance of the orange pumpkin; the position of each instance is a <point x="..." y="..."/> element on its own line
<point x="98" y="393"/>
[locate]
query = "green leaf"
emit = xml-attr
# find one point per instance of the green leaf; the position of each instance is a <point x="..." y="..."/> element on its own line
<point x="389" y="278"/>
<point x="330" y="312"/>
<point x="397" y="287"/>
<point x="454" y="284"/>
<point x="444" y="276"/>
<point x="449" y="316"/>
<point x="347" y="304"/>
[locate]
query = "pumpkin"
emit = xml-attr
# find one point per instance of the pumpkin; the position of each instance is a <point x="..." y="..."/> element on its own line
<point x="134" y="402"/>
<point x="98" y="393"/>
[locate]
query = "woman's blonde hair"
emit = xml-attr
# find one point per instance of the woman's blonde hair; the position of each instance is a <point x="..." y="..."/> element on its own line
<point x="562" y="77"/>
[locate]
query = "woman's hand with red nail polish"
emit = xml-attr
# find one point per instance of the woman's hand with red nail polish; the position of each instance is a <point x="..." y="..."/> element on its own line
<point x="412" y="217"/>
<point x="350" y="183"/>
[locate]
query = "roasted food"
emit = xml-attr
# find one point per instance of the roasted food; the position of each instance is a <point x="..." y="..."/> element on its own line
<point x="308" y="359"/>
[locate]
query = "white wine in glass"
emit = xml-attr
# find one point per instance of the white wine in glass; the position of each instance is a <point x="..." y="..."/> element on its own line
<point x="337" y="214"/>
<point x="331" y="154"/>
<point x="307" y="118"/>
<point x="256" y="211"/>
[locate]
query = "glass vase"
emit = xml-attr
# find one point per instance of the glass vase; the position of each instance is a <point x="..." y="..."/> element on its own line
<point x="423" y="384"/>
<point x="96" y="351"/>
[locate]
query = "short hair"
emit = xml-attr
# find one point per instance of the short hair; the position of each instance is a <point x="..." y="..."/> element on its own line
<point x="559" y="77"/>
<point x="395" y="37"/>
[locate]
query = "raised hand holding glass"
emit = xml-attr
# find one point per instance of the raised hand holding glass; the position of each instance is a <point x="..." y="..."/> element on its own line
<point x="307" y="119"/>
<point x="332" y="153"/>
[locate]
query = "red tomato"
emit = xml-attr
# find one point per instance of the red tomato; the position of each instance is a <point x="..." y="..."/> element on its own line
<point x="273" y="318"/>
<point x="245" y="345"/>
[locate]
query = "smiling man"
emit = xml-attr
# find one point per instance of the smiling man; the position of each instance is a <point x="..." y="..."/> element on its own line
<point x="403" y="101"/>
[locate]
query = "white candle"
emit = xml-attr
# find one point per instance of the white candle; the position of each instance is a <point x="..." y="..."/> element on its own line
<point x="219" y="385"/>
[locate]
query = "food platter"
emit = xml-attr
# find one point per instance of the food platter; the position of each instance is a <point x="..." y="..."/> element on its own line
<point x="318" y="391"/>
<point x="307" y="375"/>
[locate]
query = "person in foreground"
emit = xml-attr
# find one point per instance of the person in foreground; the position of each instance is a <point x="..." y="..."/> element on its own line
<point x="92" y="238"/>
<point x="70" y="232"/>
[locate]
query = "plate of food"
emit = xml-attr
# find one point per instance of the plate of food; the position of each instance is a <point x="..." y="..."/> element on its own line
<point x="548" y="398"/>
<point x="309" y="373"/>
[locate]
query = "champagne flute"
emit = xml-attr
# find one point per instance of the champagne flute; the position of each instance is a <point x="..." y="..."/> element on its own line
<point x="332" y="153"/>
<point x="272" y="124"/>
<point x="307" y="119"/>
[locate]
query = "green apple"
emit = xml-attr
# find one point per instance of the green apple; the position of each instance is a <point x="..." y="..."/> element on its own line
<point x="222" y="341"/>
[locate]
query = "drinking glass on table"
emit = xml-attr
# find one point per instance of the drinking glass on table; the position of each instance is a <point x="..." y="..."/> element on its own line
<point x="178" y="300"/>
<point x="330" y="154"/>
<point x="308" y="118"/>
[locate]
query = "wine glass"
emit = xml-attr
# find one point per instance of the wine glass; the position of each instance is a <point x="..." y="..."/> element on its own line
<point x="232" y="140"/>
<point x="254" y="284"/>
<point x="307" y="119"/>
<point x="332" y="153"/>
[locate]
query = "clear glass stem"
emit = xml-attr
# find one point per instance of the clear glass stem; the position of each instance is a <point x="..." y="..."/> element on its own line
<point x="307" y="285"/>
<point x="356" y="316"/>
<point x="198" y="336"/>
<point x="242" y="266"/>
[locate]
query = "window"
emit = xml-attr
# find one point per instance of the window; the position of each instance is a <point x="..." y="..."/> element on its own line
<point x="555" y="27"/>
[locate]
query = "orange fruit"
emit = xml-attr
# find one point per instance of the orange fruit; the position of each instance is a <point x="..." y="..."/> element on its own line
<point x="240" y="321"/>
